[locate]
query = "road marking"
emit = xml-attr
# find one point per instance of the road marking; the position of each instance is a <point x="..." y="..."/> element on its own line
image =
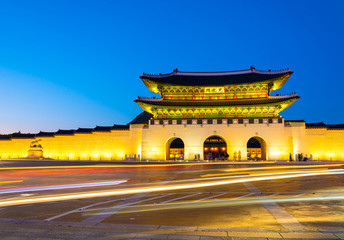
<point x="268" y="196"/>
<point x="78" y="209"/>
<point x="213" y="196"/>
<point x="101" y="216"/>
<point x="296" y="196"/>
<point x="241" y="196"/>
<point x="282" y="217"/>
<point x="174" y="199"/>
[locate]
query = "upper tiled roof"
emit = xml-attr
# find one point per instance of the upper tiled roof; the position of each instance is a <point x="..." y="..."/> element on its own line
<point x="215" y="78"/>
<point x="230" y="102"/>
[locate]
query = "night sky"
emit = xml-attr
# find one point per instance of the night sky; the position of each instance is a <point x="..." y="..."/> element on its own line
<point x="70" y="64"/>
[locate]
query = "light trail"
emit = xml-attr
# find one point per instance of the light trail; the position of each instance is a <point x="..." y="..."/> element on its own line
<point x="165" y="188"/>
<point x="285" y="167"/>
<point x="220" y="203"/>
<point x="260" y="172"/>
<point x="172" y="164"/>
<point x="8" y="182"/>
<point x="119" y="166"/>
<point x="66" y="186"/>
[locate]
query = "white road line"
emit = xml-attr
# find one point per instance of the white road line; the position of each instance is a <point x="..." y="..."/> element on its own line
<point x="99" y="217"/>
<point x="281" y="216"/>
<point x="95" y="204"/>
<point x="171" y="200"/>
<point x="299" y="195"/>
<point x="131" y="203"/>
<point x="272" y="195"/>
<point x="105" y="213"/>
<point x="78" y="209"/>
<point x="213" y="196"/>
<point x="146" y="200"/>
<point x="241" y="196"/>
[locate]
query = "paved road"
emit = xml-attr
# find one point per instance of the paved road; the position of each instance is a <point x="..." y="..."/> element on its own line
<point x="74" y="200"/>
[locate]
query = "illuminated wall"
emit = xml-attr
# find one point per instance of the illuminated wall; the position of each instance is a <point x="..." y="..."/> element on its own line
<point x="152" y="141"/>
<point x="112" y="145"/>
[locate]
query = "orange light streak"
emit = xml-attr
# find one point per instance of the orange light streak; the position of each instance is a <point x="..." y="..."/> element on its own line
<point x="14" y="181"/>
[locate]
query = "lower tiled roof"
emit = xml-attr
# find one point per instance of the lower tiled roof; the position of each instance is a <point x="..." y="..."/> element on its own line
<point x="45" y="134"/>
<point x="316" y="125"/>
<point x="201" y="103"/>
<point x="65" y="132"/>
<point x="142" y="118"/>
<point x="335" y="126"/>
<point x="120" y="127"/>
<point x="325" y="126"/>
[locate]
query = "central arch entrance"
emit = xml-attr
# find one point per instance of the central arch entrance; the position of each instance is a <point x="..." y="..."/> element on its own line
<point x="215" y="148"/>
<point x="175" y="149"/>
<point x="256" y="149"/>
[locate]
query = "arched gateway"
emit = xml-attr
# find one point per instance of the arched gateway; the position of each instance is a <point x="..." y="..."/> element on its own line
<point x="256" y="149"/>
<point x="215" y="148"/>
<point x="175" y="149"/>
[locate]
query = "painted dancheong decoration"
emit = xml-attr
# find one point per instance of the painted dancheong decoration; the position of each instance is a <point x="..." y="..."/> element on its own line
<point x="243" y="94"/>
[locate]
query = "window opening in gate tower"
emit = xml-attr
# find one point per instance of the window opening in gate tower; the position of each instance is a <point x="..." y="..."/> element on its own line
<point x="215" y="148"/>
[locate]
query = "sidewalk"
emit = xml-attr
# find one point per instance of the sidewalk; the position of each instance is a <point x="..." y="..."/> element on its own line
<point x="27" y="229"/>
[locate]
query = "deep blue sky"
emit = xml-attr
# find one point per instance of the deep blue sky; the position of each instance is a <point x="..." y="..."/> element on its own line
<point x="70" y="64"/>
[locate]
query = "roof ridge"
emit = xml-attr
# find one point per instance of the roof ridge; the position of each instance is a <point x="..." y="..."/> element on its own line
<point x="217" y="73"/>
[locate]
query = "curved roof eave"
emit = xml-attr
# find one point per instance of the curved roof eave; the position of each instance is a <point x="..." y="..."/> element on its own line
<point x="217" y="103"/>
<point x="216" y="79"/>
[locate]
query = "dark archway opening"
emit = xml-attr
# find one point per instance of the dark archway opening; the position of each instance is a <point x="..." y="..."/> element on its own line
<point x="215" y="148"/>
<point x="176" y="150"/>
<point x="256" y="149"/>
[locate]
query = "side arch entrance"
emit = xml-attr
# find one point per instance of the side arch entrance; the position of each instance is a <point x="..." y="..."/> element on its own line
<point x="215" y="148"/>
<point x="256" y="149"/>
<point x="175" y="149"/>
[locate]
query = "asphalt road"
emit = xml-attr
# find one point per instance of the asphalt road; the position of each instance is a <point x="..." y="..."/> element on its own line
<point x="170" y="201"/>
